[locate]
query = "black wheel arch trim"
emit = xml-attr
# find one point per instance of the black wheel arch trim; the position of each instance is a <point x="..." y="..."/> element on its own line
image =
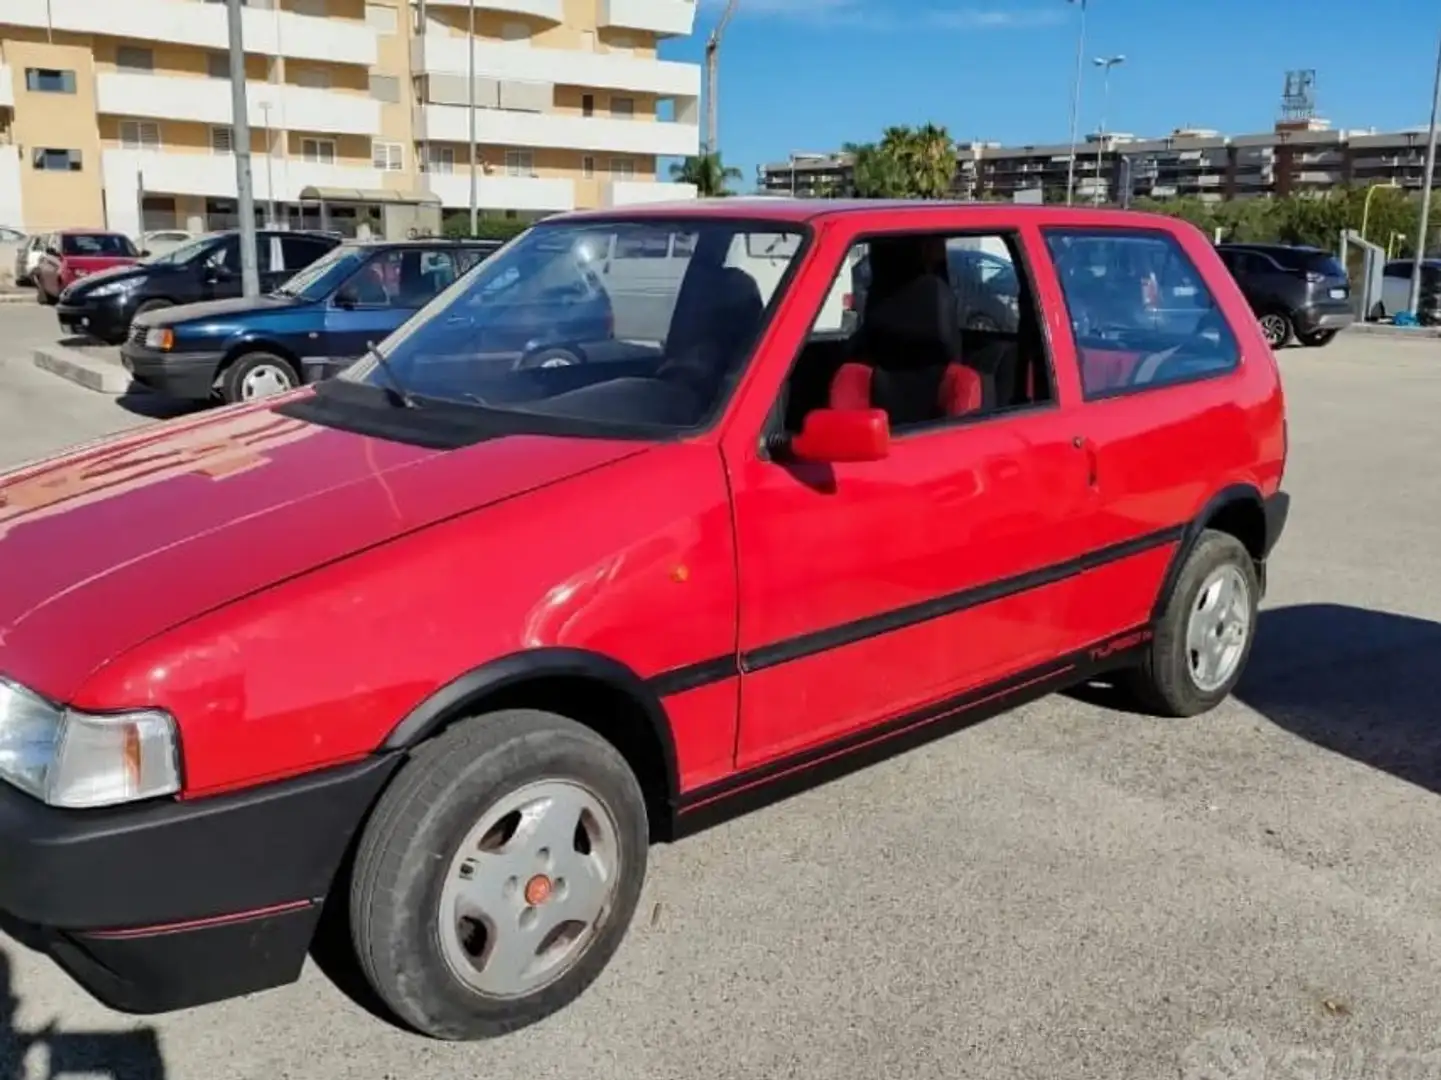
<point x="1273" y="514"/>
<point x="538" y="664"/>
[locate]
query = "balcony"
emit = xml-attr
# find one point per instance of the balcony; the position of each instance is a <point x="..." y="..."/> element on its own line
<point x="7" y="88"/>
<point x="636" y="192"/>
<point x="440" y="54"/>
<point x="550" y="10"/>
<point x="668" y="18"/>
<point x="189" y="22"/>
<point x="448" y="123"/>
<point x="213" y="175"/>
<point x="502" y="192"/>
<point x="178" y="97"/>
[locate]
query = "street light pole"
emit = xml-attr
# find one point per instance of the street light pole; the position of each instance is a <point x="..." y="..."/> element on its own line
<point x="1076" y="102"/>
<point x="1421" y="229"/>
<point x="1105" y="63"/>
<point x="474" y="183"/>
<point x="240" y="147"/>
<point x="269" y="166"/>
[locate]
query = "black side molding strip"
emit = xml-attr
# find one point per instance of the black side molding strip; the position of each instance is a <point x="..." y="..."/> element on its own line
<point x="714" y="803"/>
<point x="705" y="672"/>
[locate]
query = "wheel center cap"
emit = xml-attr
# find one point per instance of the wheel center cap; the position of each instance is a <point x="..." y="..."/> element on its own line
<point x="537" y="890"/>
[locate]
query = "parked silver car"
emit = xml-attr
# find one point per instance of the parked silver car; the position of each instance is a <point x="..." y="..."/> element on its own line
<point x="27" y="257"/>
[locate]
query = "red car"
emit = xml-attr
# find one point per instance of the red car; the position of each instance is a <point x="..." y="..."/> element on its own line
<point x="72" y="254"/>
<point x="444" y="644"/>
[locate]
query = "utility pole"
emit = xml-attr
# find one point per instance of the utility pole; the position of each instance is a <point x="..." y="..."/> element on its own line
<point x="708" y="144"/>
<point x="1076" y="103"/>
<point x="474" y="182"/>
<point x="1105" y="63"/>
<point x="270" y="217"/>
<point x="1421" y="229"/>
<point x="240" y="147"/>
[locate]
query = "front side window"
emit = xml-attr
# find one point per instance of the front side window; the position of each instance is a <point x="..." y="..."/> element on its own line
<point x="1140" y="311"/>
<point x="401" y="278"/>
<point x="554" y="328"/>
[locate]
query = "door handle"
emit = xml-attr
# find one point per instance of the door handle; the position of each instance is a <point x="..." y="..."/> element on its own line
<point x="1087" y="447"/>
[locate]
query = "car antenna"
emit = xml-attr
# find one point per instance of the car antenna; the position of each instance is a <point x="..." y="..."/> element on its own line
<point x="397" y="387"/>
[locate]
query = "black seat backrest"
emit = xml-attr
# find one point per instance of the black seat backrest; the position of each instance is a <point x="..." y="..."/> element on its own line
<point x="717" y="317"/>
<point x="909" y="336"/>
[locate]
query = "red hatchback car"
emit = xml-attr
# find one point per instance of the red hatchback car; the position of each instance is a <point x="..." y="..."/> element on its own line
<point x="444" y="644"/>
<point x="72" y="254"/>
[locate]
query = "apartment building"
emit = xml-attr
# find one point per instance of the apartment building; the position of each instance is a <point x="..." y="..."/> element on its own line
<point x="118" y="114"/>
<point x="1294" y="158"/>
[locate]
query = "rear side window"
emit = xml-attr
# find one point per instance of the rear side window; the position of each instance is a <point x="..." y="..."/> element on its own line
<point x="1309" y="262"/>
<point x="301" y="251"/>
<point x="1140" y="311"/>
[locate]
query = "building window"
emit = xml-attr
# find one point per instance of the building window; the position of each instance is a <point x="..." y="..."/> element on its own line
<point x="387" y="156"/>
<point x="318" y="150"/>
<point x="622" y="168"/>
<point x="442" y="159"/>
<point x="587" y="104"/>
<point x="218" y="65"/>
<point x="385" y="88"/>
<point x="519" y="163"/>
<point x="587" y="166"/>
<point x="139" y="135"/>
<point x="314" y="78"/>
<point x="49" y="81"/>
<point x="310" y="7"/>
<point x="222" y="140"/>
<point x="622" y="108"/>
<point x="381" y="19"/>
<point x="48" y="160"/>
<point x="134" y="58"/>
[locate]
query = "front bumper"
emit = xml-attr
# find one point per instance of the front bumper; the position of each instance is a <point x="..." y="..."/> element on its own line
<point x="107" y="318"/>
<point x="170" y="904"/>
<point x="186" y="375"/>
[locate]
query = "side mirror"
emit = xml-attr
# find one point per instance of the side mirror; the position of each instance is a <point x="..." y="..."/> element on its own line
<point x="144" y="253"/>
<point x="346" y="298"/>
<point x="839" y="435"/>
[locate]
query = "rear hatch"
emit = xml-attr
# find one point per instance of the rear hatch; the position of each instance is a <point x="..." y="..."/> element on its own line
<point x="1326" y="282"/>
<point x="83" y="254"/>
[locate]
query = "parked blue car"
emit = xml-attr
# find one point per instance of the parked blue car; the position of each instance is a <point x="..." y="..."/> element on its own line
<point x="315" y="324"/>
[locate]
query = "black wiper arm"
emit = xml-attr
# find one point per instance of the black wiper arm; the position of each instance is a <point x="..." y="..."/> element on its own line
<point x="397" y="388"/>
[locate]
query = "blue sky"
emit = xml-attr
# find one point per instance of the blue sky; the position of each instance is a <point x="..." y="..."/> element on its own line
<point x="812" y="74"/>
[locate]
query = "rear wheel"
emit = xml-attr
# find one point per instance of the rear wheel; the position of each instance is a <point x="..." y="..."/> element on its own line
<point x="258" y="375"/>
<point x="554" y="357"/>
<point x="1276" y="326"/>
<point x="1317" y="338"/>
<point x="41" y="296"/>
<point x="1203" y="639"/>
<point x="498" y="874"/>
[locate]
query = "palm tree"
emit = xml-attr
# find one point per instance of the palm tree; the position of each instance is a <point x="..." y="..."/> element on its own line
<point x="878" y="172"/>
<point x="708" y="173"/>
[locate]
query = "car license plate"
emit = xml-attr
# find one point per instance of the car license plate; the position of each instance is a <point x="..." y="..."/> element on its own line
<point x="1338" y="294"/>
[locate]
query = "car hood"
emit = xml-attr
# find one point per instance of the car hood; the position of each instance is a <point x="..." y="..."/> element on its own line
<point x="211" y="310"/>
<point x="113" y="543"/>
<point x="96" y="278"/>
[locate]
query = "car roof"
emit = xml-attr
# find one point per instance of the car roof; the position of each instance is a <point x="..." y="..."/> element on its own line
<point x="79" y="231"/>
<point x="798" y="211"/>
<point x="424" y="242"/>
<point x="1262" y="246"/>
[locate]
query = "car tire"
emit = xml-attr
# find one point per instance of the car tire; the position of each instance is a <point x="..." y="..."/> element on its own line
<point x="1378" y="312"/>
<point x="42" y="297"/>
<point x="250" y="374"/>
<point x="1202" y="641"/>
<point x="982" y="322"/>
<point x="553" y="357"/>
<point x="1317" y="338"/>
<point x="1277" y="327"/>
<point x="435" y="834"/>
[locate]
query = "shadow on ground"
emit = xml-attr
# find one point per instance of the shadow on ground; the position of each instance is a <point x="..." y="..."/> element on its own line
<point x="50" y="1053"/>
<point x="154" y="406"/>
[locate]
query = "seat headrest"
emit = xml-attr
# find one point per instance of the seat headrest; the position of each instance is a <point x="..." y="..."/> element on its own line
<point x="916" y="326"/>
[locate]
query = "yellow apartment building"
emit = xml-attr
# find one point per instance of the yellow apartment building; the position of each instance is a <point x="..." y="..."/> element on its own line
<point x="117" y="113"/>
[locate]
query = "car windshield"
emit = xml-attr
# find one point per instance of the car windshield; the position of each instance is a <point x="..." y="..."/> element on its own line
<point x="325" y="274"/>
<point x="183" y="254"/>
<point x="97" y="245"/>
<point x="640" y="324"/>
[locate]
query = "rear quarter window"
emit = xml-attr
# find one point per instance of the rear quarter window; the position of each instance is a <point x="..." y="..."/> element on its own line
<point x="1141" y="313"/>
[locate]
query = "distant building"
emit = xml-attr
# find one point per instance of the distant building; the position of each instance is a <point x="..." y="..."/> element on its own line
<point x="1299" y="155"/>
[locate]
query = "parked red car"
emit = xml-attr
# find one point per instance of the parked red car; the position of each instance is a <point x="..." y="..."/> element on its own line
<point x="447" y="642"/>
<point x="71" y="254"/>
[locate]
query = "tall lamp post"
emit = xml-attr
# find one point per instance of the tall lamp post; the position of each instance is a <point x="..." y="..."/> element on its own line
<point x="1421" y="229"/>
<point x="474" y="185"/>
<point x="240" y="147"/>
<point x="1105" y="63"/>
<point x="269" y="166"/>
<point x="1076" y="102"/>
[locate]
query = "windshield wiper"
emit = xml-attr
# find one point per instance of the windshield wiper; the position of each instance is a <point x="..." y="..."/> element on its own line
<point x="397" y="388"/>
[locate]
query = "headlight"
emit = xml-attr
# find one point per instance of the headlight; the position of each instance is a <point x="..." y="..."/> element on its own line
<point x="114" y="288"/>
<point x="77" y="760"/>
<point x="159" y="337"/>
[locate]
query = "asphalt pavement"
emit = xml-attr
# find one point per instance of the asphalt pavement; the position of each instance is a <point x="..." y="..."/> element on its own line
<point x="1065" y="891"/>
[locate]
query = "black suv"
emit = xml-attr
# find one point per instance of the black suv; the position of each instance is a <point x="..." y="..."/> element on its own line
<point x="1299" y="292"/>
<point x="102" y="305"/>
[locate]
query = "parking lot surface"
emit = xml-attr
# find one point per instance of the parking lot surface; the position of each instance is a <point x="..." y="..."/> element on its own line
<point x="1065" y="891"/>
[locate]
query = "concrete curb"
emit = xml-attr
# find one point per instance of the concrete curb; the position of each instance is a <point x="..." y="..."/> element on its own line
<point x="1416" y="333"/>
<point x="17" y="298"/>
<point x="102" y="376"/>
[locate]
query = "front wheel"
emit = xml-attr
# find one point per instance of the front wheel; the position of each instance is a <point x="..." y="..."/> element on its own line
<point x="1203" y="639"/>
<point x="257" y="375"/>
<point x="498" y="874"/>
<point x="41" y="296"/>
<point x="1277" y="328"/>
<point x="1317" y="338"/>
<point x="552" y="357"/>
